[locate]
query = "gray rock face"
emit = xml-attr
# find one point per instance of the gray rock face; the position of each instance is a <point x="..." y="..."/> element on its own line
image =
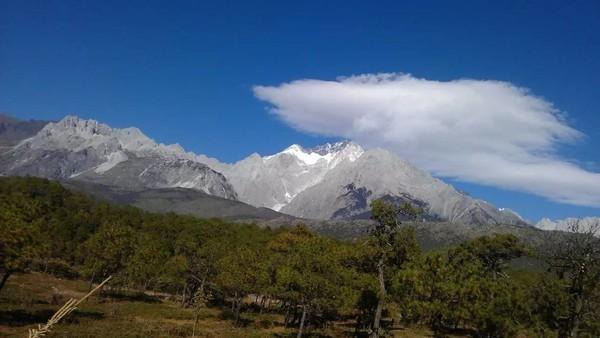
<point x="338" y="181"/>
<point x="274" y="181"/>
<point x="140" y="173"/>
<point x="74" y="148"/>
<point x="53" y="164"/>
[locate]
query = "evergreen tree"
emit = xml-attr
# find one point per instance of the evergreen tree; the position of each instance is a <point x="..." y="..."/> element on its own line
<point x="390" y="247"/>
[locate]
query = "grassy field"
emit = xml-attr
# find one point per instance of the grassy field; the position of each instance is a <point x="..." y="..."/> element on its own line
<point x="30" y="299"/>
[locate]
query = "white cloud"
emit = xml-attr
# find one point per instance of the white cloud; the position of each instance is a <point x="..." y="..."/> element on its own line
<point x="487" y="132"/>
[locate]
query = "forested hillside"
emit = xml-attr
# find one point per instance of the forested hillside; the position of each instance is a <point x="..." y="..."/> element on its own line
<point x="374" y="283"/>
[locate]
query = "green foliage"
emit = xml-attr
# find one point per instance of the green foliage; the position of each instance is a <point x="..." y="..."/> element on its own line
<point x="392" y="245"/>
<point x="146" y="265"/>
<point x="466" y="287"/>
<point x="385" y="214"/>
<point x="241" y="272"/>
<point x="310" y="273"/>
<point x="469" y="288"/>
<point x="493" y="252"/>
<point x="107" y="251"/>
<point x="20" y="243"/>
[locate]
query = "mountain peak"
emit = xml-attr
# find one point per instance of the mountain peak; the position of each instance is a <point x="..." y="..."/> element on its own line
<point x="75" y="125"/>
<point x="328" y="153"/>
<point x="329" y="148"/>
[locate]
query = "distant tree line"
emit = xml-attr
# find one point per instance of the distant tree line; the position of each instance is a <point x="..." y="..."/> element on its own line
<point x="312" y="280"/>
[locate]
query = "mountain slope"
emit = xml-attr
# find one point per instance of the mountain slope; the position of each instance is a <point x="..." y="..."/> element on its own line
<point x="273" y="181"/>
<point x="431" y="235"/>
<point x="89" y="150"/>
<point x="346" y="191"/>
<point x="177" y="200"/>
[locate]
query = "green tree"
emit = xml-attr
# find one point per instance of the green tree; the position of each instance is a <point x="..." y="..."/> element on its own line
<point x="146" y="265"/>
<point x="311" y="277"/>
<point x="19" y="244"/>
<point x="494" y="252"/>
<point x="107" y="251"/>
<point x="468" y="286"/>
<point x="390" y="247"/>
<point x="240" y="273"/>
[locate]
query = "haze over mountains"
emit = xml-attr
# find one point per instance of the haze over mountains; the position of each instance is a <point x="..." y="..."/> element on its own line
<point x="333" y="181"/>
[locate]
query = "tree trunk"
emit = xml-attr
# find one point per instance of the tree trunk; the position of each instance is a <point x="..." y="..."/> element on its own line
<point x="92" y="281"/>
<point x="183" y="294"/>
<point x="304" y="311"/>
<point x="261" y="304"/>
<point x="575" y="316"/>
<point x="238" y="301"/>
<point x="5" y="278"/>
<point x="381" y="300"/>
<point x="286" y="320"/>
<point x="195" y="323"/>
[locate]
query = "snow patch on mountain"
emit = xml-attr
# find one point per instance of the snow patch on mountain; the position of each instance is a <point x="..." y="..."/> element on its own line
<point x="327" y="153"/>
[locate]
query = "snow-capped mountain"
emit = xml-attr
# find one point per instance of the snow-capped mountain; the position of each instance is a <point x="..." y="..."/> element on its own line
<point x="338" y="181"/>
<point x="566" y="224"/>
<point x="332" y="181"/>
<point x="346" y="191"/>
<point x="274" y="181"/>
<point x="75" y="148"/>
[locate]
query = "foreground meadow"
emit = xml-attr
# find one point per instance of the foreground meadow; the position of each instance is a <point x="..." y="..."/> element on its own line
<point x="30" y="299"/>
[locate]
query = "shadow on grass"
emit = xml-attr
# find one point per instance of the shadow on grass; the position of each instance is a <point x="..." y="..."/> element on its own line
<point x="226" y="314"/>
<point x="305" y="334"/>
<point x="23" y="318"/>
<point x="130" y="296"/>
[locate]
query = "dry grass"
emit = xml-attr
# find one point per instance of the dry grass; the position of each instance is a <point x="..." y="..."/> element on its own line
<point x="70" y="306"/>
<point x="28" y="299"/>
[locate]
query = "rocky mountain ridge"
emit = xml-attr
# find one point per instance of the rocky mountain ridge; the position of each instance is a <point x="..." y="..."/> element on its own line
<point x="74" y="148"/>
<point x="332" y="181"/>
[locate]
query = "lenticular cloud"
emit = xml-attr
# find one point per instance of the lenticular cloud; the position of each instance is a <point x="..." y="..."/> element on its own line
<point x="486" y="132"/>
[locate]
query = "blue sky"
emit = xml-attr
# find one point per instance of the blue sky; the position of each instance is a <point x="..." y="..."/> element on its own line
<point x="184" y="71"/>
